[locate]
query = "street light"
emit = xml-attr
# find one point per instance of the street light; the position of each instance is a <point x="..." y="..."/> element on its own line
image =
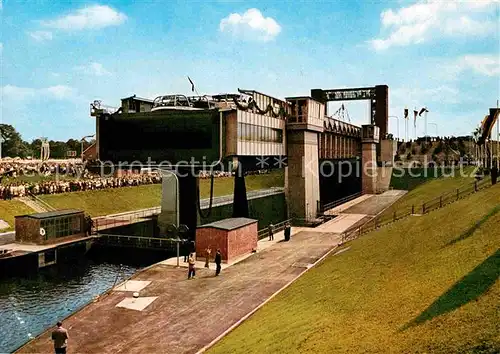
<point x="397" y="120"/>
<point x="82" y="140"/>
<point x="175" y="231"/>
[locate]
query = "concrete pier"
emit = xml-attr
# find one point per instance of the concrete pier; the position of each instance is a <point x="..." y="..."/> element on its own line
<point x="176" y="315"/>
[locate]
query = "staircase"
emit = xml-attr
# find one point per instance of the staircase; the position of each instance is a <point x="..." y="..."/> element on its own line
<point x="36" y="203"/>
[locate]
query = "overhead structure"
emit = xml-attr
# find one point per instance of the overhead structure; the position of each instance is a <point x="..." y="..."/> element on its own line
<point x="377" y="95"/>
<point x="241" y="132"/>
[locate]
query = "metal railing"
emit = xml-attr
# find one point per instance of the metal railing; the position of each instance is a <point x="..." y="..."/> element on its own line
<point x="425" y="208"/>
<point x="263" y="233"/>
<point x="40" y="201"/>
<point x="157" y="243"/>
<point x="110" y="221"/>
<point x="322" y="207"/>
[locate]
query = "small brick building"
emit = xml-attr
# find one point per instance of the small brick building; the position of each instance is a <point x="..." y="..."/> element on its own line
<point x="50" y="227"/>
<point x="234" y="237"/>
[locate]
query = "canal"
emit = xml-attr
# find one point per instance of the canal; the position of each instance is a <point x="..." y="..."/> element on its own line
<point x="31" y="304"/>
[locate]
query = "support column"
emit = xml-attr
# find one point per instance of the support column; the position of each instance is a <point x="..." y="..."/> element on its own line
<point x="188" y="198"/>
<point x="370" y="139"/>
<point x="303" y="178"/>
<point x="337" y="147"/>
<point x="240" y="202"/>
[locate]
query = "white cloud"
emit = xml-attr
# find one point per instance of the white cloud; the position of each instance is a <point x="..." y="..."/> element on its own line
<point x="488" y="65"/>
<point x="41" y="36"/>
<point x="427" y="19"/>
<point x="250" y="25"/>
<point x="91" y="17"/>
<point x="60" y="91"/>
<point x="94" y="68"/>
<point x="16" y="93"/>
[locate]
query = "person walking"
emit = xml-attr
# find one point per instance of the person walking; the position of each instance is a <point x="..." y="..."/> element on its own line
<point x="209" y="252"/>
<point x="270" y="230"/>
<point x="192" y="271"/>
<point x="218" y="261"/>
<point x="288" y="230"/>
<point x="60" y="337"/>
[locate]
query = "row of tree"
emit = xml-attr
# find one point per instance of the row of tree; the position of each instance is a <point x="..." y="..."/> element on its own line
<point x="14" y="146"/>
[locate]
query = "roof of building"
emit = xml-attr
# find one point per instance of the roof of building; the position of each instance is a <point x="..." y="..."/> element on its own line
<point x="230" y="224"/>
<point x="138" y="99"/>
<point x="52" y="214"/>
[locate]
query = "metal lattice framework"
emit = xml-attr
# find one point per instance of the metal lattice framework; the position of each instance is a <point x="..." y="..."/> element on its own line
<point x="341" y="128"/>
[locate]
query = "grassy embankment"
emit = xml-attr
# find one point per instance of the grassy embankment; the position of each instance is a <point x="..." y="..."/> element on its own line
<point x="9" y="209"/>
<point x="109" y="201"/>
<point x="426" y="284"/>
<point x="424" y="186"/>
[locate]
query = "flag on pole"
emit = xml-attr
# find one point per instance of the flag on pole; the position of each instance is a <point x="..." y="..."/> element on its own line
<point x="406" y="113"/>
<point x="415" y="112"/>
<point x="422" y="111"/>
<point x="192" y="84"/>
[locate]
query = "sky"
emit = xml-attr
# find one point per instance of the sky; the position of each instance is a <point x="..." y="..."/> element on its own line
<point x="58" y="56"/>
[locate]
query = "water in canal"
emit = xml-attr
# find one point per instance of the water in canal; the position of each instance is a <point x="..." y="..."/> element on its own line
<point x="29" y="305"/>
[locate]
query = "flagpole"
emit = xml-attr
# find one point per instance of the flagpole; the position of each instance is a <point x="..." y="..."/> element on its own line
<point x="425" y="125"/>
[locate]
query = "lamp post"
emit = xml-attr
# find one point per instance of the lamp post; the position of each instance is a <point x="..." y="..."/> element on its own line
<point x="82" y="141"/>
<point x="397" y="122"/>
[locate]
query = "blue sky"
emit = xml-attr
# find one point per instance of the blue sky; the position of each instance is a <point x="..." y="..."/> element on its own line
<point x="58" y="56"/>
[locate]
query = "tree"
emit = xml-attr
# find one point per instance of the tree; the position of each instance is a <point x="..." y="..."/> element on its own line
<point x="12" y="143"/>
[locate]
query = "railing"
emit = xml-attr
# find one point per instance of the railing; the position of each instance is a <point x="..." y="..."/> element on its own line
<point x="40" y="201"/>
<point x="426" y="207"/>
<point x="169" y="244"/>
<point x="327" y="206"/>
<point x="263" y="233"/>
<point x="109" y="221"/>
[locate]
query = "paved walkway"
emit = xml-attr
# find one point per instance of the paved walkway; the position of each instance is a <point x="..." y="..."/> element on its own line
<point x="375" y="204"/>
<point x="183" y="316"/>
<point x="188" y="314"/>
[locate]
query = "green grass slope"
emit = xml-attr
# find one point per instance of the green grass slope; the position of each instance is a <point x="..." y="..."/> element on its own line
<point x="425" y="188"/>
<point x="427" y="284"/>
<point x="9" y="209"/>
<point x="109" y="201"/>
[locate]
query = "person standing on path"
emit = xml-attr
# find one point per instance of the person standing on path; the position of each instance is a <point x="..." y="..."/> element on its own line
<point x="60" y="337"/>
<point x="270" y="230"/>
<point x="192" y="271"/>
<point x="209" y="252"/>
<point x="218" y="261"/>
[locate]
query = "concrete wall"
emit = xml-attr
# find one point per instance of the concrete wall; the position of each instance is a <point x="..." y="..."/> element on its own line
<point x="267" y="210"/>
<point x="369" y="168"/>
<point x="303" y="168"/>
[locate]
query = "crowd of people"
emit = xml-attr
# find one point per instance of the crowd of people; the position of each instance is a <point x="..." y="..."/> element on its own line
<point x="71" y="176"/>
<point x="21" y="189"/>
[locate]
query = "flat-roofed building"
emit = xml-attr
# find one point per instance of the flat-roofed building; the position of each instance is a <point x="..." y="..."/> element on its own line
<point x="50" y="227"/>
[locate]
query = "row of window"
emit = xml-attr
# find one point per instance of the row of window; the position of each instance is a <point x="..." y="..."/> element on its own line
<point x="61" y="227"/>
<point x="259" y="133"/>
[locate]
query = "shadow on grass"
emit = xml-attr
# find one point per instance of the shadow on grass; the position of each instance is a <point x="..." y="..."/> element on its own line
<point x="476" y="226"/>
<point x="469" y="288"/>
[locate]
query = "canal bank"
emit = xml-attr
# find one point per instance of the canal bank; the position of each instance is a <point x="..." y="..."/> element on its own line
<point x="32" y="303"/>
<point x="177" y="311"/>
<point x="174" y="315"/>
